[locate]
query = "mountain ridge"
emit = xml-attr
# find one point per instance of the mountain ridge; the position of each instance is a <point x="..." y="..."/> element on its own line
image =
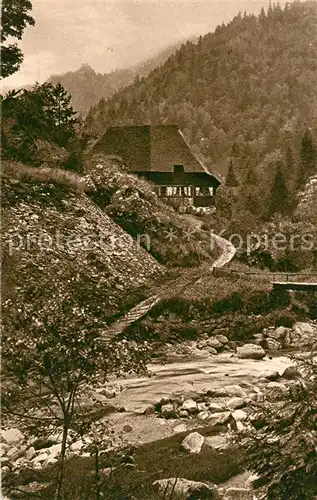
<point x="87" y="86"/>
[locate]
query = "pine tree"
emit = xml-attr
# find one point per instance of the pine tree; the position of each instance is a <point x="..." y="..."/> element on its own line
<point x="57" y="106"/>
<point x="279" y="196"/>
<point x="308" y="157"/>
<point x="231" y="180"/>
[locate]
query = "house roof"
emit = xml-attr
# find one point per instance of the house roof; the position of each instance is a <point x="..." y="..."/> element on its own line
<point x="150" y="148"/>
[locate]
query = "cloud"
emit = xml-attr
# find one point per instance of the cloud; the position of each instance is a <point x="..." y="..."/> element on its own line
<point x="112" y="34"/>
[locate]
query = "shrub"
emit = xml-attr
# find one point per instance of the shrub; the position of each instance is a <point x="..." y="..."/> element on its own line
<point x="21" y="172"/>
<point x="283" y="451"/>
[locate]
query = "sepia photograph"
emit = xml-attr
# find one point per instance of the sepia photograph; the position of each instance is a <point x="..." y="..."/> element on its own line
<point x="158" y="250"/>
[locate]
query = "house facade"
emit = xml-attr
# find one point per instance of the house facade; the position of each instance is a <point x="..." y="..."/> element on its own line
<point x="161" y="155"/>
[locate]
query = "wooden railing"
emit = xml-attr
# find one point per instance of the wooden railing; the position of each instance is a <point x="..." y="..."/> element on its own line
<point x="272" y="276"/>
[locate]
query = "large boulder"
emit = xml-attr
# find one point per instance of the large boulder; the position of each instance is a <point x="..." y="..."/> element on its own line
<point x="222" y="339"/>
<point x="12" y="436"/>
<point x="239" y="415"/>
<point x="189" y="405"/>
<point x="235" y="390"/>
<point x="235" y="403"/>
<point x="220" y="418"/>
<point x="215" y="343"/>
<point x="277" y="333"/>
<point x="272" y="344"/>
<point x="193" y="442"/>
<point x="185" y="488"/>
<point x="304" y="328"/>
<point x="250" y="351"/>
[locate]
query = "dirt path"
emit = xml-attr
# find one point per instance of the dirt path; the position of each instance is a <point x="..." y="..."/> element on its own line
<point x="228" y="252"/>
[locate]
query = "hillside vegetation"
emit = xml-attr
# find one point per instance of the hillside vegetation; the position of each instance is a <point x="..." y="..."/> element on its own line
<point x="173" y="239"/>
<point x="60" y="248"/>
<point x="245" y="98"/>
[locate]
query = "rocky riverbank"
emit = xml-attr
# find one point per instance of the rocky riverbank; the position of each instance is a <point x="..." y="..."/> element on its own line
<point x="211" y="383"/>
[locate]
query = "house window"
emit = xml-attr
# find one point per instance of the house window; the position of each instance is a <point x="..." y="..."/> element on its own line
<point x="211" y="191"/>
<point x="178" y="169"/>
<point x="171" y="191"/>
<point x="187" y="191"/>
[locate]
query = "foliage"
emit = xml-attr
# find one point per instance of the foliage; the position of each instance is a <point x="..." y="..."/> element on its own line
<point x="43" y="113"/>
<point x="133" y="471"/>
<point x="14" y="19"/>
<point x="53" y="366"/>
<point x="283" y="452"/>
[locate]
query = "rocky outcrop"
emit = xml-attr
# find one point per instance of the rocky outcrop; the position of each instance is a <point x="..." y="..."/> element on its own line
<point x="301" y="335"/>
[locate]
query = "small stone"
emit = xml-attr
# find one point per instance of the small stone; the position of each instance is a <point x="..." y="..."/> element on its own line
<point x="127" y="428"/>
<point x="213" y="342"/>
<point x="183" y="413"/>
<point x="212" y="351"/>
<point x="202" y="406"/>
<point x="30" y="453"/>
<point x="168" y="410"/>
<point x="40" y="459"/>
<point x="180" y="428"/>
<point x="12" y="451"/>
<point x="215" y="407"/>
<point x="203" y="415"/>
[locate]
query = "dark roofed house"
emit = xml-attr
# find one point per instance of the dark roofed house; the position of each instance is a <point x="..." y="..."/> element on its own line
<point x="161" y="155"/>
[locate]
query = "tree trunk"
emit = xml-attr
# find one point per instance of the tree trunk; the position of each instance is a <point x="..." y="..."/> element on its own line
<point x="97" y="475"/>
<point x="58" y="492"/>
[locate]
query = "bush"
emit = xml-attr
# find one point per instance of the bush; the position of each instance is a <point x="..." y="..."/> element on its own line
<point x="23" y="173"/>
<point x="283" y="451"/>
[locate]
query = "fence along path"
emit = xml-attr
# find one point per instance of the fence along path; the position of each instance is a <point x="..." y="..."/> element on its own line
<point x="137" y="312"/>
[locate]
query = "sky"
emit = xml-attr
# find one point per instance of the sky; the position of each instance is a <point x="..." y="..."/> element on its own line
<point x="113" y="34"/>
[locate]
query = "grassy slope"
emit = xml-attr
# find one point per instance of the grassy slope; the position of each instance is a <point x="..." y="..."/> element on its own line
<point x="161" y="459"/>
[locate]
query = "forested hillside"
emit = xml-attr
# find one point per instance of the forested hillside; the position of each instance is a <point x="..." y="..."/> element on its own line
<point x="245" y="98"/>
<point x="87" y="87"/>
